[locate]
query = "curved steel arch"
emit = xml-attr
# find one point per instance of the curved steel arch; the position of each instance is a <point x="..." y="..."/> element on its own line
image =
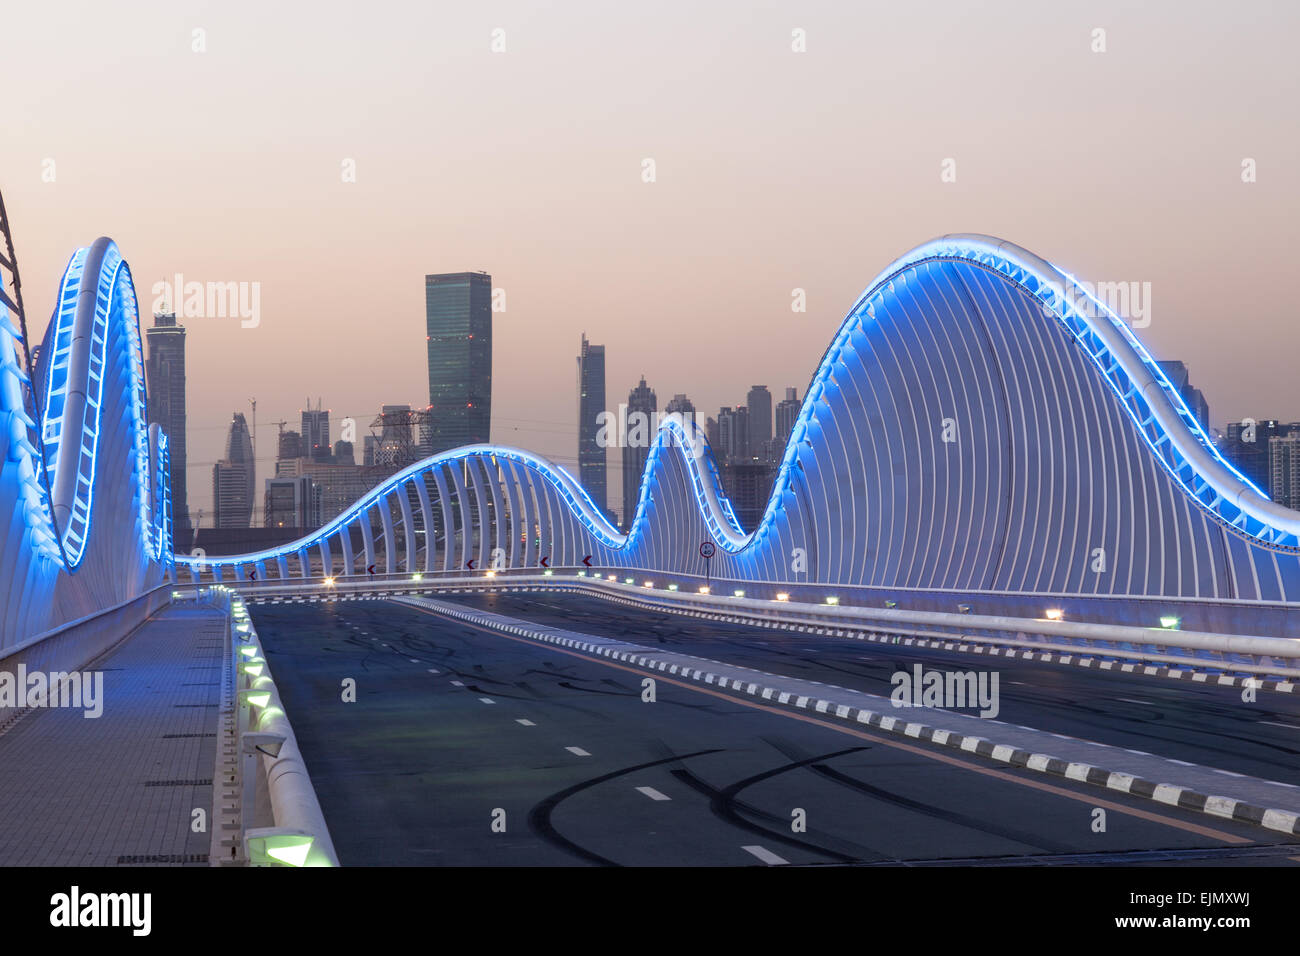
<point x="965" y="320"/>
<point x="78" y="538"/>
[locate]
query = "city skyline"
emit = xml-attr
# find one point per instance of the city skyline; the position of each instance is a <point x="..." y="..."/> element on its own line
<point x="742" y="211"/>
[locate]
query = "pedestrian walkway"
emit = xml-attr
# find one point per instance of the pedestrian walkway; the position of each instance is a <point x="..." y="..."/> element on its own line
<point x="120" y="789"/>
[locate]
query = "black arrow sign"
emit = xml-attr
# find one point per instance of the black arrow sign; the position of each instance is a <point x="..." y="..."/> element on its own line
<point x="587" y="560"/>
<point x="544" y="560"/>
<point x="371" y="569"/>
<point x="252" y="575"/>
<point x="470" y="563"/>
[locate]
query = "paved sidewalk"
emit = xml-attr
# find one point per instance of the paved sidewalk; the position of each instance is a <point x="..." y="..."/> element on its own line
<point x="119" y="789"/>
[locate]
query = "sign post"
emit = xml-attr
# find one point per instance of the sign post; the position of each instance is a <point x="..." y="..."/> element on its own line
<point x="707" y="550"/>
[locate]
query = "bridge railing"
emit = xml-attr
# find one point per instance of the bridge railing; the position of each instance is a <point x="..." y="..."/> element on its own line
<point x="1166" y="646"/>
<point x="299" y="836"/>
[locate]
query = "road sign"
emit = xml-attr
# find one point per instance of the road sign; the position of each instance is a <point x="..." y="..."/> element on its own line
<point x="707" y="550"/>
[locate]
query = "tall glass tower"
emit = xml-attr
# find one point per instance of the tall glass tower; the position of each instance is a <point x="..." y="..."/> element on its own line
<point x="591" y="403"/>
<point x="458" y="317"/>
<point x="638" y="435"/>
<point x="165" y="373"/>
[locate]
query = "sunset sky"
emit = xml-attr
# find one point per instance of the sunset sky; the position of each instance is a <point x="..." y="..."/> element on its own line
<point x="774" y="169"/>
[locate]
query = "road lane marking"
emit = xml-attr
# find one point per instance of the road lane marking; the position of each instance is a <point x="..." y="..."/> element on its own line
<point x="652" y="793"/>
<point x="458" y="683"/>
<point x="766" y="855"/>
<point x="487" y="700"/>
<point x="1084" y="798"/>
<point x="577" y="751"/>
<point x="1130" y="700"/>
<point x="1287" y="726"/>
<point x="525" y="721"/>
<point x="432" y="671"/>
<point x="414" y="661"/>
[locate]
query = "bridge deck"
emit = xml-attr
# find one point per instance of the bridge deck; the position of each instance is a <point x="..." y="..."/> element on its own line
<point x="120" y="788"/>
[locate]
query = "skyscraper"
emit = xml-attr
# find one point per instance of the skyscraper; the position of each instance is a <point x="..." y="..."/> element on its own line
<point x="759" y="401"/>
<point x="681" y="405"/>
<point x="636" y="445"/>
<point x="787" y="410"/>
<point x="316" y="432"/>
<point x="591" y="405"/>
<point x="165" y="373"/>
<point x="1284" y="468"/>
<point x="233" y="478"/>
<point x="458" y="319"/>
<point x="1192" y="396"/>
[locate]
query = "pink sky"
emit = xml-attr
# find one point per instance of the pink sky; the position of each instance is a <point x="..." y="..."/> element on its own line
<point x="775" y="170"/>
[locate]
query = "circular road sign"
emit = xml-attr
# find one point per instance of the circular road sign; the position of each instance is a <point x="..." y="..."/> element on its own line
<point x="707" y="550"/>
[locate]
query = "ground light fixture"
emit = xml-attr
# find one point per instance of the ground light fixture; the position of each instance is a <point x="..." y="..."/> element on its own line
<point x="258" y="698"/>
<point x="738" y="593"/>
<point x="491" y="574"/>
<point x="832" y="600"/>
<point x="547" y="573"/>
<point x="417" y="577"/>
<point x="891" y="604"/>
<point x="329" y="582"/>
<point x="647" y="584"/>
<point x="783" y="596"/>
<point x="672" y="587"/>
<point x="628" y="581"/>
<point x="704" y="589"/>
<point x="1055" y="614"/>
<point x="1170" y="622"/>
<point x="273" y="846"/>
<point x="613" y="577"/>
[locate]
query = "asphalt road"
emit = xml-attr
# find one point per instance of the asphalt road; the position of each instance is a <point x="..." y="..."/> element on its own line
<point x="455" y="727"/>
<point x="1179" y="719"/>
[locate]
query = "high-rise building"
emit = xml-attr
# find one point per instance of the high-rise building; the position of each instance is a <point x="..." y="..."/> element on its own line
<point x="592" y="468"/>
<point x="344" y="454"/>
<point x="733" y="434"/>
<point x="759" y="404"/>
<point x="681" y="405"/>
<point x="458" y="320"/>
<point x="165" y="374"/>
<point x="316" y="432"/>
<point x="290" y="445"/>
<point x="233" y="478"/>
<point x="787" y="411"/>
<point x="1246" y="446"/>
<point x="293" y="503"/>
<point x="1284" y="467"/>
<point x="636" y="445"/>
<point x="1180" y="378"/>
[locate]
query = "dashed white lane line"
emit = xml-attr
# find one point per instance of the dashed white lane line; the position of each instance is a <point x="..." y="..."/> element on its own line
<point x="1270" y="723"/>
<point x="653" y="794"/>
<point x="458" y="683"/>
<point x="577" y="751"/>
<point x="414" y="661"/>
<point x="1129" y="700"/>
<point x="432" y="671"/>
<point x="487" y="700"/>
<point x="525" y="721"/>
<point x="766" y="855"/>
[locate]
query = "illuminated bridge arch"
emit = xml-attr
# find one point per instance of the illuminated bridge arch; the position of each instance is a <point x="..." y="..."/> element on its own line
<point x="85" y="512"/>
<point x="980" y="422"/>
